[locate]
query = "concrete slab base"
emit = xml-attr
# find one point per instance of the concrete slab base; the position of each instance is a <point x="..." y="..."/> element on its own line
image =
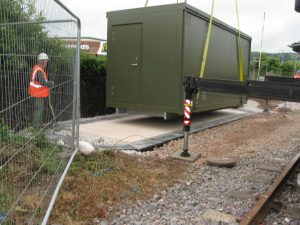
<point x="143" y="132"/>
<point x="193" y="156"/>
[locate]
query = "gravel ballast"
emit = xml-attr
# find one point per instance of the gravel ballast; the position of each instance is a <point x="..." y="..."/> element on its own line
<point x="203" y="197"/>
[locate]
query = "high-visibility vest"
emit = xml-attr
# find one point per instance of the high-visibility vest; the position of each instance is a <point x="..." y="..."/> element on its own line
<point x="35" y="88"/>
<point x="297" y="75"/>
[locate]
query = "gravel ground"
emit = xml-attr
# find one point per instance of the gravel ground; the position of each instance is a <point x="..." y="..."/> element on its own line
<point x="203" y="196"/>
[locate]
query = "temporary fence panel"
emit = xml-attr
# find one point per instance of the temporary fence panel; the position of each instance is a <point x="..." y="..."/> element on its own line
<point x="34" y="151"/>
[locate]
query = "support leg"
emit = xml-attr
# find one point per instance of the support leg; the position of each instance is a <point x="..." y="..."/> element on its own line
<point x="186" y="126"/>
<point x="185" y="152"/>
<point x="190" y="90"/>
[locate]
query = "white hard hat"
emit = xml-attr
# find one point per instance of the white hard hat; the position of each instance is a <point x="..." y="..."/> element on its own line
<point x="42" y="56"/>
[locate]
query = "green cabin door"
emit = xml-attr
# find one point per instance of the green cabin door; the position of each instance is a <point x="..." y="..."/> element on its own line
<point x="126" y="60"/>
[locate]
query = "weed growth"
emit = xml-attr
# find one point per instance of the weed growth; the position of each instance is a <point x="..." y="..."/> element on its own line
<point x="97" y="164"/>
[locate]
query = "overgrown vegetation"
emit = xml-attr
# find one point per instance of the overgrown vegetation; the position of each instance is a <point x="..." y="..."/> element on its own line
<point x="97" y="184"/>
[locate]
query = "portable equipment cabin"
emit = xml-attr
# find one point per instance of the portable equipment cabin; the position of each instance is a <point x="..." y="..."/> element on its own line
<point x="152" y="49"/>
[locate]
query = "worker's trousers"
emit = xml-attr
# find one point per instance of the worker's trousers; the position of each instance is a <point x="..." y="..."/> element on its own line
<point x="38" y="112"/>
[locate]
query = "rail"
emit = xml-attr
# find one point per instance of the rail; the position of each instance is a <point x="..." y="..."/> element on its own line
<point x="264" y="204"/>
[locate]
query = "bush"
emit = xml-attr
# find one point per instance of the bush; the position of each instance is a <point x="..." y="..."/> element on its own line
<point x="93" y="86"/>
<point x="92" y="65"/>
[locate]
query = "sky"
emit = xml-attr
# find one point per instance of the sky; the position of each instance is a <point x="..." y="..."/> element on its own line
<point x="282" y="24"/>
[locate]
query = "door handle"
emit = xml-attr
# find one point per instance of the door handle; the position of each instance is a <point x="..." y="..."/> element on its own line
<point x="134" y="64"/>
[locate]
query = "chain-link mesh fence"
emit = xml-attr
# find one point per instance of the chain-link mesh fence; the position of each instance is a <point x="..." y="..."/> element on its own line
<point x="36" y="102"/>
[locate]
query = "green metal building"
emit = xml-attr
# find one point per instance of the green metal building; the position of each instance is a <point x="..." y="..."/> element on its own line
<point x="151" y="50"/>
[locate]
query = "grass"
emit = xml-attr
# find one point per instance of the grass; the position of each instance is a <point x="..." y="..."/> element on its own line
<point x="4" y="201"/>
<point x="97" y="184"/>
<point x="98" y="164"/>
<point x="26" y="159"/>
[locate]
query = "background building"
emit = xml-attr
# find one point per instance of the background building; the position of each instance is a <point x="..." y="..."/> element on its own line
<point x="93" y="46"/>
<point x="296" y="47"/>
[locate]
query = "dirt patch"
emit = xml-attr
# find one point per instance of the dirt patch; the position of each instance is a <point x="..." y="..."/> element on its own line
<point x="96" y="185"/>
<point x="238" y="133"/>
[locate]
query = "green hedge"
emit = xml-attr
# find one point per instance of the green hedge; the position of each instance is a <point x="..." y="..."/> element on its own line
<point x="93" y="86"/>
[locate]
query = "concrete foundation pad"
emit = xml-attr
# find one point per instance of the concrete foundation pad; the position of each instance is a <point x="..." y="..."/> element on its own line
<point x="193" y="156"/>
<point x="144" y="132"/>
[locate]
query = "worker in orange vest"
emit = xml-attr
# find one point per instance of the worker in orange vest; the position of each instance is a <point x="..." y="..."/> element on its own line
<point x="39" y="88"/>
<point x="297" y="74"/>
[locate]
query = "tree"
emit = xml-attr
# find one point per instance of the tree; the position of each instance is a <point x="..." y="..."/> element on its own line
<point x="273" y="64"/>
<point x="23" y="35"/>
<point x="288" y="68"/>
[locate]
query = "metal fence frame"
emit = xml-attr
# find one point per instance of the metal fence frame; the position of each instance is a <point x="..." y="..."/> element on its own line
<point x="76" y="111"/>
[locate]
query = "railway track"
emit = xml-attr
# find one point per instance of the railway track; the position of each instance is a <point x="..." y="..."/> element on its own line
<point x="275" y="200"/>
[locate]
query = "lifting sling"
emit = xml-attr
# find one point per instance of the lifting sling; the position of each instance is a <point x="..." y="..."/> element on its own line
<point x="203" y="64"/>
<point x="205" y="52"/>
<point x="239" y="44"/>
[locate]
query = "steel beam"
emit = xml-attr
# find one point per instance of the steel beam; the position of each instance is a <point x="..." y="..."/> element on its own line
<point x="287" y="89"/>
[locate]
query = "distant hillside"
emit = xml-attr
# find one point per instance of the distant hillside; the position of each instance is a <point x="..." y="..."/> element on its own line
<point x="284" y="57"/>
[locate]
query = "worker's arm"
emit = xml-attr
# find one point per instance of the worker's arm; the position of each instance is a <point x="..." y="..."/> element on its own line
<point x="40" y="78"/>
